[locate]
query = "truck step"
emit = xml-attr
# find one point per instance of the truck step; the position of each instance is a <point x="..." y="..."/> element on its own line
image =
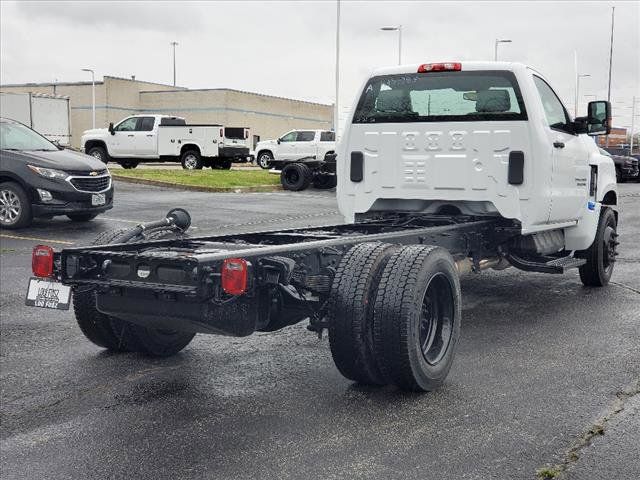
<point x="554" y="265"/>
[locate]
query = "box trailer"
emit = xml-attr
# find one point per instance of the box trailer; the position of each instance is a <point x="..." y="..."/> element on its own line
<point x="46" y="114"/>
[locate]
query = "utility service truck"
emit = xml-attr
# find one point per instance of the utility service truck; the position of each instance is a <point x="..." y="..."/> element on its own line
<point x="444" y="169"/>
<point x="163" y="138"/>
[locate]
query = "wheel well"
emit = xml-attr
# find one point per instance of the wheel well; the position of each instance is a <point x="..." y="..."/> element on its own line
<point x="610" y="198"/>
<point x="264" y="150"/>
<point x="89" y="144"/>
<point x="17" y="180"/>
<point x="190" y="146"/>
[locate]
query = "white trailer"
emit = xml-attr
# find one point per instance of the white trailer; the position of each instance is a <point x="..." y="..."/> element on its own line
<point x="46" y="114"/>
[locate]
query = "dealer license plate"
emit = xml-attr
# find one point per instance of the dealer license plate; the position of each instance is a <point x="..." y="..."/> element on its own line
<point x="47" y="293"/>
<point x="98" y="199"/>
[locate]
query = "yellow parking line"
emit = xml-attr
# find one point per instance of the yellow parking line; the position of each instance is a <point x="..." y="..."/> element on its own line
<point x="44" y="240"/>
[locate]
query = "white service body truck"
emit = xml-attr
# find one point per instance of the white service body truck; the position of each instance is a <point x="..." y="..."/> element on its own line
<point x="444" y="169"/>
<point x="295" y="145"/>
<point x="46" y="114"/>
<point x="163" y="138"/>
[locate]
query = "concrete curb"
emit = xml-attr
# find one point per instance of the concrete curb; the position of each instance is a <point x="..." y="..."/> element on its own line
<point x="199" y="188"/>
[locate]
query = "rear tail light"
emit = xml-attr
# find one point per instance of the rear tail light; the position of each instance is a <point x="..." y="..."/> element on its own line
<point x="234" y="276"/>
<point x="42" y="261"/>
<point x="246" y="133"/>
<point x="222" y="132"/>
<point x="440" y="67"/>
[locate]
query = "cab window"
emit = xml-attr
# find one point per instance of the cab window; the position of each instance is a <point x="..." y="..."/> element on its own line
<point x="289" y="137"/>
<point x="327" y="137"/>
<point x="306" y="136"/>
<point x="557" y="116"/>
<point x="145" y="124"/>
<point x="127" y="125"/>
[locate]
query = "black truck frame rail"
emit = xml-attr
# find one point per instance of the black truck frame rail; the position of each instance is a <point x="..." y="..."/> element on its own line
<point x="178" y="283"/>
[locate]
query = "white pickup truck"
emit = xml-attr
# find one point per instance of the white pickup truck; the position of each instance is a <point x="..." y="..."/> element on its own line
<point x="444" y="169"/>
<point x="166" y="138"/>
<point x="295" y="145"/>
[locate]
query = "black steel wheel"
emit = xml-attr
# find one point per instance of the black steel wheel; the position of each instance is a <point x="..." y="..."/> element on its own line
<point x="296" y="177"/>
<point x="601" y="255"/>
<point x="417" y="317"/>
<point x="350" y="316"/>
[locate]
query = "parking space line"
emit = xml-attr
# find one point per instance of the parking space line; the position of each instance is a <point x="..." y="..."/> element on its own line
<point x="119" y="220"/>
<point x="35" y="239"/>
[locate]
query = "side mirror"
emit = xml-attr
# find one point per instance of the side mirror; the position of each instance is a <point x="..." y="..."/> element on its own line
<point x="278" y="141"/>
<point x="111" y="130"/>
<point x="599" y="118"/>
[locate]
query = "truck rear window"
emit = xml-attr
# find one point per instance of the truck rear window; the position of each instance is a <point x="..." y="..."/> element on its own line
<point x="441" y="97"/>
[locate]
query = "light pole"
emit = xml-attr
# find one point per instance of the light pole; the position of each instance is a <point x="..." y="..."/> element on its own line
<point x="93" y="94"/>
<point x="173" y="44"/>
<point x="336" y="113"/>
<point x="495" y="47"/>
<point x="578" y="77"/>
<point x="397" y="28"/>
<point x="613" y="13"/>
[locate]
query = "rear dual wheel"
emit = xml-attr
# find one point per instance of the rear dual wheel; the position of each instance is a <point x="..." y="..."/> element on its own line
<point x="118" y="335"/>
<point x="395" y="315"/>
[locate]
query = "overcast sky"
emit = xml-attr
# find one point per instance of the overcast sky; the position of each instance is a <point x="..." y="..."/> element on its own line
<point x="287" y="48"/>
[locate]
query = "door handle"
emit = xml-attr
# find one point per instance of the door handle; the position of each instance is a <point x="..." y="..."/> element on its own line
<point x="149" y="135"/>
<point x="558" y="144"/>
<point x="130" y="135"/>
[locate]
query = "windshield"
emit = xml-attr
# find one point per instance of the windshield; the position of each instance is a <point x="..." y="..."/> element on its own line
<point x="15" y="136"/>
<point x="441" y="97"/>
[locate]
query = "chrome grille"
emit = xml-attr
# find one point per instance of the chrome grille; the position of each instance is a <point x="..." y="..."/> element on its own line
<point x="91" y="184"/>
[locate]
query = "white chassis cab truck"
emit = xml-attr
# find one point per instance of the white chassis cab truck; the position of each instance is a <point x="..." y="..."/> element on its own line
<point x="444" y="169"/>
<point x="295" y="145"/>
<point x="162" y="138"/>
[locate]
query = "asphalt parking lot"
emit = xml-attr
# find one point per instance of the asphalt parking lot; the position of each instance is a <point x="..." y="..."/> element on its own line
<point x="543" y="366"/>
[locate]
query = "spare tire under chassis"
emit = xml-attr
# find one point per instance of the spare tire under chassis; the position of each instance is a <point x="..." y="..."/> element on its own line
<point x="118" y="335"/>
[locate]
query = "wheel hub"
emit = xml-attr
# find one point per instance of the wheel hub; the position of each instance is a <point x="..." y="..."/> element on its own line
<point x="436" y="319"/>
<point x="10" y="207"/>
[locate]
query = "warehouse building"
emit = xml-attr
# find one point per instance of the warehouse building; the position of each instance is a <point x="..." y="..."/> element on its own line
<point x="116" y="98"/>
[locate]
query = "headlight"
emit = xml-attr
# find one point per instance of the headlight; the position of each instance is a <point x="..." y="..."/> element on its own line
<point x="49" y="172"/>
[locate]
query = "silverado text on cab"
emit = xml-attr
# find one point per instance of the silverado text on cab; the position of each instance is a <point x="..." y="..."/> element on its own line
<point x="443" y="169"/>
<point x="169" y="139"/>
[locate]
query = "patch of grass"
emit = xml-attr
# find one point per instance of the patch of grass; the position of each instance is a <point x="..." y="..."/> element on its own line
<point x="548" y="473"/>
<point x="204" y="178"/>
<point x="7" y="250"/>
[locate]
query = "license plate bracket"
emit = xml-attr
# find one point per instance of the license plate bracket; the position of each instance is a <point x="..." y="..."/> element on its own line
<point x="48" y="293"/>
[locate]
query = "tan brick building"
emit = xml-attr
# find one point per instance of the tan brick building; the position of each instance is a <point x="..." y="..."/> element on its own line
<point x="116" y="98"/>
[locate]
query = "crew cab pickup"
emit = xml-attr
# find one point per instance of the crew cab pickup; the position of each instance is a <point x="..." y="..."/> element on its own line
<point x="444" y="169"/>
<point x="164" y="138"/>
<point x="295" y="145"/>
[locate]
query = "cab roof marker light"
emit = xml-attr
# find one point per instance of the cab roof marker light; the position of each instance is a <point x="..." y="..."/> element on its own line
<point x="440" y="67"/>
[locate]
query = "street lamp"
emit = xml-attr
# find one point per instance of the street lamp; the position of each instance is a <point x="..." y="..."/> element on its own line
<point x="93" y="93"/>
<point x="495" y="48"/>
<point x="578" y="77"/>
<point x="397" y="28"/>
<point x="173" y="44"/>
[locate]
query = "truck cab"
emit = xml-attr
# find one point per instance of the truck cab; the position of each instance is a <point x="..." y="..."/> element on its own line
<point x="475" y="138"/>
<point x="294" y="145"/>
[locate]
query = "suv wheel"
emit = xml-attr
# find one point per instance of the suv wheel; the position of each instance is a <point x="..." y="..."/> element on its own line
<point x="15" y="207"/>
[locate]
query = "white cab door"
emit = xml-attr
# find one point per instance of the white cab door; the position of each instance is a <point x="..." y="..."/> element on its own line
<point x="287" y="148"/>
<point x="122" y="142"/>
<point x="570" y="168"/>
<point x="306" y="144"/>
<point x="145" y="137"/>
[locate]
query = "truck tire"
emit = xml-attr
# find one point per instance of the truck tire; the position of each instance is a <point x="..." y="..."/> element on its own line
<point x="416" y="320"/>
<point x="222" y="164"/>
<point x="99" y="153"/>
<point x="15" y="206"/>
<point x="264" y="159"/>
<point x="325" y="181"/>
<point x="601" y="255"/>
<point x="296" y="177"/>
<point x="117" y="335"/>
<point x="351" y="312"/>
<point x="100" y="329"/>
<point x="129" y="164"/>
<point x="191" y="160"/>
